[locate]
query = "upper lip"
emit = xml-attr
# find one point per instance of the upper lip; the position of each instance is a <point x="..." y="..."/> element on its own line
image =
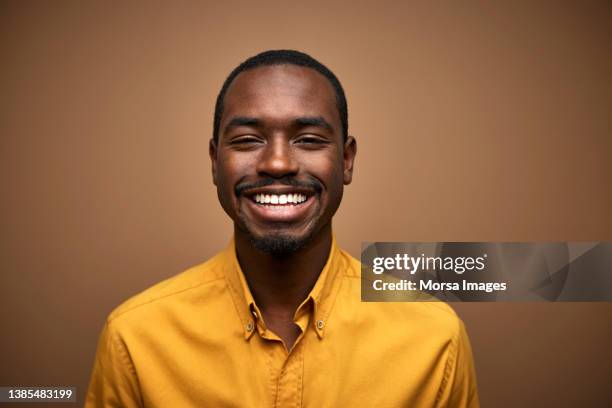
<point x="278" y="190"/>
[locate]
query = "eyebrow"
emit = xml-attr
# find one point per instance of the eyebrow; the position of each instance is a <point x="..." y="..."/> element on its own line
<point x="301" y="121"/>
<point x="242" y="121"/>
<point x="316" y="121"/>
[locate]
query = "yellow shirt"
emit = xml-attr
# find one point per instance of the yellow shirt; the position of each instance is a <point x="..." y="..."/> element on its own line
<point x="197" y="340"/>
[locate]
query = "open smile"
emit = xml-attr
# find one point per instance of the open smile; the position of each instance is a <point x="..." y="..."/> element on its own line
<point x="289" y="206"/>
<point x="280" y="199"/>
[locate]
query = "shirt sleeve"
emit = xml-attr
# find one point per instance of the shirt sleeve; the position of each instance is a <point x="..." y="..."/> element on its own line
<point x="459" y="389"/>
<point x="114" y="382"/>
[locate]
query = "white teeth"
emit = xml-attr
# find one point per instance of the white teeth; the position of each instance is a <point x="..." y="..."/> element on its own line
<point x="281" y="199"/>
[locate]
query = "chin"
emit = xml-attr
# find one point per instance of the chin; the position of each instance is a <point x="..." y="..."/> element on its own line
<point x="280" y="244"/>
<point x="278" y="241"/>
<point x="277" y="245"/>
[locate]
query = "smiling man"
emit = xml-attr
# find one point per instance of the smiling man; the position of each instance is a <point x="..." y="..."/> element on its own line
<point x="276" y="319"/>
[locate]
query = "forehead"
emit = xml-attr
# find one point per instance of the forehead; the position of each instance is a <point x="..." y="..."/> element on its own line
<point x="280" y="92"/>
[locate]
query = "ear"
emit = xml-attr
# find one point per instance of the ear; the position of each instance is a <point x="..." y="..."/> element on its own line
<point x="350" y="151"/>
<point x="212" y="152"/>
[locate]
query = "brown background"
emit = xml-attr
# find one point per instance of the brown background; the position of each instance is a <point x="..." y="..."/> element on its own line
<point x="475" y="121"/>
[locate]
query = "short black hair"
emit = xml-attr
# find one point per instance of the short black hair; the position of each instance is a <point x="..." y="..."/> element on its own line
<point x="283" y="57"/>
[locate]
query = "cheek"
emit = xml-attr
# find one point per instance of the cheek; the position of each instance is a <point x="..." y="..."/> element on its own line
<point x="328" y="169"/>
<point x="224" y="173"/>
<point x="231" y="168"/>
<point x="228" y="174"/>
<point x="224" y="194"/>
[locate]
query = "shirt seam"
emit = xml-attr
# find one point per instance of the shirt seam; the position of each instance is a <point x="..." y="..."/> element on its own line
<point x="235" y="298"/>
<point x="450" y="363"/>
<point x="119" y="344"/>
<point x="116" y="315"/>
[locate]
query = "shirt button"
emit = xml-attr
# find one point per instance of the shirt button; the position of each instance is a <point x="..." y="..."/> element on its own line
<point x="249" y="326"/>
<point x="320" y="324"/>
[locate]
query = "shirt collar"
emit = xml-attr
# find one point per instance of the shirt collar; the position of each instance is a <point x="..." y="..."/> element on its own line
<point x="321" y="296"/>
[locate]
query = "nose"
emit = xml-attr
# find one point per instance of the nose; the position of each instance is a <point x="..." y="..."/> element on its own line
<point x="277" y="159"/>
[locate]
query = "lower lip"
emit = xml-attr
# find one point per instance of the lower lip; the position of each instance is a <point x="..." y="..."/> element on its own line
<point x="280" y="213"/>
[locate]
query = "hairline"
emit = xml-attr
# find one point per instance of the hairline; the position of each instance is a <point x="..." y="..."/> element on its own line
<point x="280" y="63"/>
<point x="313" y="64"/>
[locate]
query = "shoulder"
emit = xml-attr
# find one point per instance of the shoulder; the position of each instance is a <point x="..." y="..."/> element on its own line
<point x="171" y="291"/>
<point x="434" y="317"/>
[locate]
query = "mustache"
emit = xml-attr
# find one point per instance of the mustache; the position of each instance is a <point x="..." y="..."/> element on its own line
<point x="311" y="184"/>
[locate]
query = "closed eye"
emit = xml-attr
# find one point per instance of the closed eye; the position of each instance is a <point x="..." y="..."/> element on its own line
<point x="313" y="140"/>
<point x="245" y="139"/>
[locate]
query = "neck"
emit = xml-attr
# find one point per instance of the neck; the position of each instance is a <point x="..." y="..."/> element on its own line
<point x="279" y="285"/>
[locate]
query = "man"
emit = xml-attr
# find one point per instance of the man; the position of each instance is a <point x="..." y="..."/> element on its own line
<point x="276" y="319"/>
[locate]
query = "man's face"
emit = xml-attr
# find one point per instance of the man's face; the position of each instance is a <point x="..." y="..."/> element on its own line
<point x="280" y="162"/>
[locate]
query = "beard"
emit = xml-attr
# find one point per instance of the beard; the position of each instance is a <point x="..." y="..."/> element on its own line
<point x="277" y="243"/>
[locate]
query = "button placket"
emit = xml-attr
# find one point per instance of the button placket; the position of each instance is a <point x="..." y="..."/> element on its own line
<point x="290" y="380"/>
